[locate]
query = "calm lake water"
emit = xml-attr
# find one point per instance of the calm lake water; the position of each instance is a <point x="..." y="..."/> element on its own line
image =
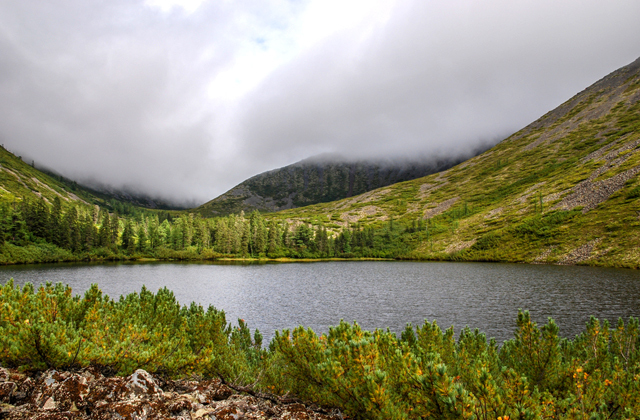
<point x="377" y="294"/>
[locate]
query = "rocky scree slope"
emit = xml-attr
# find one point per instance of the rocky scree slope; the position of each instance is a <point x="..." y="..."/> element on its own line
<point x="319" y="179"/>
<point x="562" y="190"/>
<point x="88" y="394"/>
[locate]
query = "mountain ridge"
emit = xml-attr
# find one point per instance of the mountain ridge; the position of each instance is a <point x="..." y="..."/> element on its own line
<point x="321" y="178"/>
<point x="564" y="189"/>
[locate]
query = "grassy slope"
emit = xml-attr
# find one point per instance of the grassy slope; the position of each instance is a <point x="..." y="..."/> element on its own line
<point x="19" y="180"/>
<point x="581" y="159"/>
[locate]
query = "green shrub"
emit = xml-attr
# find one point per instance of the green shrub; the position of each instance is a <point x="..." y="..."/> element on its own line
<point x="423" y="374"/>
<point x="543" y="226"/>
<point x="51" y="328"/>
<point x="634" y="193"/>
<point x="487" y="241"/>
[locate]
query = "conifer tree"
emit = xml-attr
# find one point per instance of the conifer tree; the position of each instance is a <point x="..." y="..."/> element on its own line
<point x="54" y="230"/>
<point x="5" y="222"/>
<point x="273" y="238"/>
<point x="104" y="233"/>
<point x="164" y="237"/>
<point x="246" y="240"/>
<point x="142" y="238"/>
<point x="236" y="226"/>
<point x="36" y="216"/>
<point x="154" y="232"/>
<point x="114" y="230"/>
<point x="89" y="232"/>
<point x="322" y="241"/>
<point x="177" y="237"/>
<point x="187" y="230"/>
<point x="127" y="236"/>
<point x="71" y="221"/>
<point x="258" y="233"/>
<point x="346" y="241"/>
<point x="285" y="236"/>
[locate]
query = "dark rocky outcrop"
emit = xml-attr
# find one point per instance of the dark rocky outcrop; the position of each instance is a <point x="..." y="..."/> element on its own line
<point x="321" y="179"/>
<point x="88" y="394"/>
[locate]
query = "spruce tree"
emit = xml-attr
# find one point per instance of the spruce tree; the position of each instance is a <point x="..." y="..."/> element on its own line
<point x="54" y="230"/>
<point x="154" y="232"/>
<point x="142" y="238"/>
<point x="246" y="240"/>
<point x="114" y="230"/>
<point x="272" y="238"/>
<point x="74" y="235"/>
<point x="127" y="236"/>
<point x="104" y="233"/>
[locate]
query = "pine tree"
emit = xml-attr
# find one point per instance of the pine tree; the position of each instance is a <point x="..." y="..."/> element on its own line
<point x="36" y="216"/>
<point x="346" y="241"/>
<point x="55" y="235"/>
<point x="114" y="230"/>
<point x="286" y="236"/>
<point x="104" y="233"/>
<point x="142" y="238"/>
<point x="246" y="240"/>
<point x="272" y="238"/>
<point x="73" y="225"/>
<point x="258" y="233"/>
<point x="154" y="232"/>
<point x="164" y="238"/>
<point x="127" y="236"/>
<point x="5" y="222"/>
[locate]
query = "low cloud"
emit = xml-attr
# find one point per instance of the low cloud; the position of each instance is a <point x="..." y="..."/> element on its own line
<point x="185" y="102"/>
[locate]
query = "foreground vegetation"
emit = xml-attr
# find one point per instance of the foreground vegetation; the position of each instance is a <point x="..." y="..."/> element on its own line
<point x="424" y="373"/>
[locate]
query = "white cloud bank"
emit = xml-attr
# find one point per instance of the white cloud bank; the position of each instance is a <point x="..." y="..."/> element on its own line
<point x="184" y="99"/>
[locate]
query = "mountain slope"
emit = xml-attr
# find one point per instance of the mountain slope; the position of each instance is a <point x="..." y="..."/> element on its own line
<point x="316" y="180"/>
<point x="18" y="181"/>
<point x="564" y="190"/>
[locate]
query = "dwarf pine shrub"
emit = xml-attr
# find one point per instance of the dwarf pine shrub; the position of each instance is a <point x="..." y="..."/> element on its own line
<point x="425" y="373"/>
<point x="51" y="328"/>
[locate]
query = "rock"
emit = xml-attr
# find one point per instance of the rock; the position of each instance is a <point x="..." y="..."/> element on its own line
<point x="201" y="413"/>
<point x="65" y="389"/>
<point x="6" y="391"/>
<point x="4" y="375"/>
<point x="228" y="413"/>
<point x="49" y="405"/>
<point x="88" y="394"/>
<point x="141" y="383"/>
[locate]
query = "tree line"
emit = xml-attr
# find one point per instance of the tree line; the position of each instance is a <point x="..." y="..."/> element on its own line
<point x="84" y="230"/>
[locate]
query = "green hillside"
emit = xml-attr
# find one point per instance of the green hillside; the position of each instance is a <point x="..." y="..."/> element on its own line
<point x="563" y="190"/>
<point x="318" y="179"/>
<point x="18" y="181"/>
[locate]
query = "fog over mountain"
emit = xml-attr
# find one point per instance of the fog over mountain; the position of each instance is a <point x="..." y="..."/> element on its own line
<point x="183" y="99"/>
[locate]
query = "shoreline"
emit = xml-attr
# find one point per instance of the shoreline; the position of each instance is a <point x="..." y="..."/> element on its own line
<point x="284" y="260"/>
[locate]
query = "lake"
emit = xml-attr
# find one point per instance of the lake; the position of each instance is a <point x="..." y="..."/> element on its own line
<point x="376" y="294"/>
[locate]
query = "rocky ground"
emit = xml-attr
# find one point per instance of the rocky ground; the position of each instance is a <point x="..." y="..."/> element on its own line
<point x="87" y="394"/>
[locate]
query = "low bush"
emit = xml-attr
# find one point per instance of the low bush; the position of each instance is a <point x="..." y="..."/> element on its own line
<point x="425" y="373"/>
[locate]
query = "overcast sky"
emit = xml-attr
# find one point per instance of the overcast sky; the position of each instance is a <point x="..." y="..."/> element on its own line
<point x="183" y="99"/>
